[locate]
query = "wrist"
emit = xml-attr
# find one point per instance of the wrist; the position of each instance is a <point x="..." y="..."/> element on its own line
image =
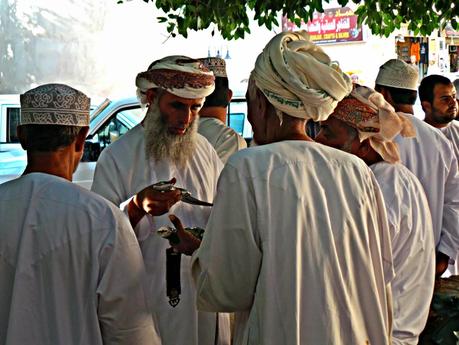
<point x="135" y="202"/>
<point x="135" y="213"/>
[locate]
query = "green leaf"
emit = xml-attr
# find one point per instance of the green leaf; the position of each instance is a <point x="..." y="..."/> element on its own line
<point x="454" y="23"/>
<point x="269" y="24"/>
<point x="231" y="19"/>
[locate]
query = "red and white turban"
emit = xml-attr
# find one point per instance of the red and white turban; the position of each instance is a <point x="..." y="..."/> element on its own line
<point x="376" y="120"/>
<point x="179" y="75"/>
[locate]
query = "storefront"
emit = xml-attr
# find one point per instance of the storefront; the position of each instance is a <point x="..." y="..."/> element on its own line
<point x="415" y="51"/>
<point x="452" y="43"/>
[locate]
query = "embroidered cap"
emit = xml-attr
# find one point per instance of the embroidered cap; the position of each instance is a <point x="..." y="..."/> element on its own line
<point x="216" y="65"/>
<point x="399" y="74"/>
<point x="55" y="104"/>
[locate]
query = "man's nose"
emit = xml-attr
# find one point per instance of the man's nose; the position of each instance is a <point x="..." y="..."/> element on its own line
<point x="186" y="116"/>
<point x="452" y="102"/>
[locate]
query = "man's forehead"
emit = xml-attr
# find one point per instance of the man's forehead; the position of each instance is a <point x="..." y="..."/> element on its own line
<point x="444" y="89"/>
<point x="170" y="97"/>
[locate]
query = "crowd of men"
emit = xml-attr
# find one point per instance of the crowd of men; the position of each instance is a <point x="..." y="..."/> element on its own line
<point x="335" y="239"/>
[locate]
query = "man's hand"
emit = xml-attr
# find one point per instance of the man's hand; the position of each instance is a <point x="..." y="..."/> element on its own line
<point x="188" y="243"/>
<point x="157" y="202"/>
<point x="442" y="261"/>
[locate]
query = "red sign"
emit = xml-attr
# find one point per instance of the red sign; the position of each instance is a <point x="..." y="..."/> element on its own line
<point x="335" y="25"/>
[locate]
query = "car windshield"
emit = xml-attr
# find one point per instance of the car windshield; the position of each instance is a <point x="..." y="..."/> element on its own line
<point x="99" y="108"/>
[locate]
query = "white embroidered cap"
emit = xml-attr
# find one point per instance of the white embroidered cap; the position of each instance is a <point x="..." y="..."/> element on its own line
<point x="55" y="104"/>
<point x="397" y="73"/>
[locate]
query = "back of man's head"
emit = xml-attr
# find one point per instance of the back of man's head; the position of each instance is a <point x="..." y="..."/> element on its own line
<point x="298" y="78"/>
<point x="426" y="88"/>
<point x="400" y="80"/>
<point x="52" y="116"/>
<point x="218" y="98"/>
<point x="374" y="119"/>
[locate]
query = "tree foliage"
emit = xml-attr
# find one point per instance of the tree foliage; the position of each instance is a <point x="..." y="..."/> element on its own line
<point x="232" y="17"/>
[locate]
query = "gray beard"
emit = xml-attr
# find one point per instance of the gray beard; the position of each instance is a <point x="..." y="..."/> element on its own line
<point x="161" y="145"/>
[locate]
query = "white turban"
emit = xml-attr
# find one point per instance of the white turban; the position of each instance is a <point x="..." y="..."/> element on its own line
<point x="298" y="78"/>
<point x="376" y="120"/>
<point x="179" y="75"/>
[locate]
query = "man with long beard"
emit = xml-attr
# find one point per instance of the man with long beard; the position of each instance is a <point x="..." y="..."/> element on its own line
<point x="167" y="147"/>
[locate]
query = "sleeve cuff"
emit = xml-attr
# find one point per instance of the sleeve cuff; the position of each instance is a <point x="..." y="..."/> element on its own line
<point x="144" y="226"/>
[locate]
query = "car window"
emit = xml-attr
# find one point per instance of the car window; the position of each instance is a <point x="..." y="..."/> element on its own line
<point x="237" y="117"/>
<point x="12" y="121"/>
<point x="111" y="130"/>
<point x="117" y="126"/>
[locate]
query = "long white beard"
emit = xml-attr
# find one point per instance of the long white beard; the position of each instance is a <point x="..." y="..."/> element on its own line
<point x="161" y="145"/>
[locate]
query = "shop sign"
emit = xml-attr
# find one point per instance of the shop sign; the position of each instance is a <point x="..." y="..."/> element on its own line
<point x="335" y="25"/>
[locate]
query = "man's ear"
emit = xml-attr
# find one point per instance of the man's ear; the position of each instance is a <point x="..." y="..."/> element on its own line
<point x="263" y="104"/>
<point x="229" y="95"/>
<point x="151" y="95"/>
<point x="386" y="94"/>
<point x="427" y="107"/>
<point x="81" y="138"/>
<point x="21" y="137"/>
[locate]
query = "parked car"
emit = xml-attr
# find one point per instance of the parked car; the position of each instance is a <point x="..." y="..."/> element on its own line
<point x="109" y="121"/>
<point x="12" y="157"/>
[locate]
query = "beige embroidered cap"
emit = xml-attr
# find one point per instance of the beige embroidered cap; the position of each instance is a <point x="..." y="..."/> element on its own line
<point x="399" y="74"/>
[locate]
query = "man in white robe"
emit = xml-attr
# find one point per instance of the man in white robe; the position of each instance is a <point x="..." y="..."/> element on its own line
<point x="71" y="271"/>
<point x="364" y="124"/>
<point x="166" y="145"/>
<point x="439" y="101"/>
<point x="429" y="156"/>
<point x="212" y="116"/>
<point x="297" y="243"/>
<point x="451" y="131"/>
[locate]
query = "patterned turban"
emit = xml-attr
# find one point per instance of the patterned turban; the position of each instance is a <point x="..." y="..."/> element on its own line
<point x="376" y="120"/>
<point x="55" y="104"/>
<point x="179" y="75"/>
<point x="298" y="78"/>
